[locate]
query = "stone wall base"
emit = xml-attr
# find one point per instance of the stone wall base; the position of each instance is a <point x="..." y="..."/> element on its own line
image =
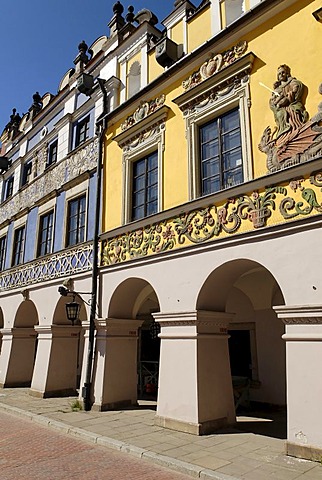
<point x="203" y="428"/>
<point x="113" y="406"/>
<point x="300" y="450"/>
<point x="68" y="392"/>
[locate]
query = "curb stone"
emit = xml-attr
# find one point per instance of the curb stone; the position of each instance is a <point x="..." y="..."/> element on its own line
<point x="190" y="469"/>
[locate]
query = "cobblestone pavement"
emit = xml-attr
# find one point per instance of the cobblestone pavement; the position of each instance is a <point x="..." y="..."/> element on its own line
<point x="32" y="452"/>
<point x="237" y="454"/>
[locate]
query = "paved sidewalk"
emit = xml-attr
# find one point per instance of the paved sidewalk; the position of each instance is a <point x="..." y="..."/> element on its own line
<point x="228" y="455"/>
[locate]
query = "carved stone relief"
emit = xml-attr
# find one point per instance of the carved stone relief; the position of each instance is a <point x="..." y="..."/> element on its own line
<point x="295" y="138"/>
<point x="144" y="110"/>
<point x="214" y="64"/>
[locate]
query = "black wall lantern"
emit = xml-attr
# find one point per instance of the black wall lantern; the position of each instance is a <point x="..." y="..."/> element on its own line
<point x="72" y="311"/>
<point x="72" y="308"/>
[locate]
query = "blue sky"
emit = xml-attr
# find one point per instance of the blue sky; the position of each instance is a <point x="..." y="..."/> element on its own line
<point x="39" y="42"/>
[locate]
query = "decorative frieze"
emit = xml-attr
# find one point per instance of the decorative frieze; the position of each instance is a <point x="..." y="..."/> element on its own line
<point x="273" y="205"/>
<point x="63" y="172"/>
<point x="61" y="264"/>
<point x="214" y="64"/>
<point x="144" y="110"/>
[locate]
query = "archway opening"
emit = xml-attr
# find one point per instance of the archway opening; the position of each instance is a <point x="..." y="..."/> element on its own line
<point x="60" y="318"/>
<point x="24" y="345"/>
<point x="136" y="299"/>
<point x="248" y="291"/>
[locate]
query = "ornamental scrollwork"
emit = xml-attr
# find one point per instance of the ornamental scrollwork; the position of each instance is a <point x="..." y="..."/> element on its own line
<point x="214" y="64"/>
<point x="273" y="205"/>
<point x="144" y="110"/>
<point x="289" y="208"/>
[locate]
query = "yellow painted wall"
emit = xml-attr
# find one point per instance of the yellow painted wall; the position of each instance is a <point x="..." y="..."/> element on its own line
<point x="177" y="33"/>
<point x="291" y="37"/>
<point x="154" y="68"/>
<point x="199" y="29"/>
<point x="112" y="182"/>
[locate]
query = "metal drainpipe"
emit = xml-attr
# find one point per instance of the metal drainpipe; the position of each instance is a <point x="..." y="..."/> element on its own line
<point x="101" y="126"/>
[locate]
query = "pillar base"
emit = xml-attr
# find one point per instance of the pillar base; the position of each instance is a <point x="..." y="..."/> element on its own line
<point x="300" y="450"/>
<point x="204" y="428"/>
<point x="67" y="392"/>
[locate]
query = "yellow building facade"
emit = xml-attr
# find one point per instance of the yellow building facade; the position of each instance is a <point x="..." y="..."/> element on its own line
<point x="212" y="197"/>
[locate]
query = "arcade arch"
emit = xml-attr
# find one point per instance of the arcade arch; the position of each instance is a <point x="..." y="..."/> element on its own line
<point x="248" y="291"/>
<point x="19" y="345"/>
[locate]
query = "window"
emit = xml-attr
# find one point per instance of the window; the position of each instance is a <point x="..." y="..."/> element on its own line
<point x="76" y="221"/>
<point x="82" y="131"/>
<point x="8" y="188"/>
<point x="45" y="236"/>
<point x="26" y="173"/>
<point x="52" y="153"/>
<point x="3" y="242"/>
<point x="221" y="153"/>
<point x="18" y="246"/>
<point x="145" y="187"/>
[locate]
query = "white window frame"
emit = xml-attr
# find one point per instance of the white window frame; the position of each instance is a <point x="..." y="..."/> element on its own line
<point x="72" y="194"/>
<point x="143" y="138"/>
<point x="205" y="112"/>
<point x="132" y="153"/>
<point x="44" y="209"/>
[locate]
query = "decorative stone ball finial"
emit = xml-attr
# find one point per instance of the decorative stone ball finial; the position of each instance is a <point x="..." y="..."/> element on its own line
<point x="130" y="15"/>
<point x="118" y="8"/>
<point x="82" y="47"/>
<point x="36" y="98"/>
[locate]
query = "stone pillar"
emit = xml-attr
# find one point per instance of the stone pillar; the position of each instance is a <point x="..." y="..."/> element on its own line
<point x="55" y="372"/>
<point x="303" y="336"/>
<point x="195" y="386"/>
<point x="115" y="377"/>
<point x="17" y="356"/>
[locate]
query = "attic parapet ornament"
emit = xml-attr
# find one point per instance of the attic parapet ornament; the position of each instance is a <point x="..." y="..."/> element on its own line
<point x="214" y="64"/>
<point x="130" y="15"/>
<point x="144" y="110"/>
<point x="12" y="126"/>
<point x="295" y="139"/>
<point x="36" y="105"/>
<point x="118" y="21"/>
<point x="82" y="58"/>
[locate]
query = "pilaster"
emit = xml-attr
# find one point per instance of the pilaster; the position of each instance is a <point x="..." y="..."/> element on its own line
<point x="303" y="336"/>
<point x="115" y="367"/>
<point x="55" y="371"/>
<point x="195" y="386"/>
<point x="17" y="356"/>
